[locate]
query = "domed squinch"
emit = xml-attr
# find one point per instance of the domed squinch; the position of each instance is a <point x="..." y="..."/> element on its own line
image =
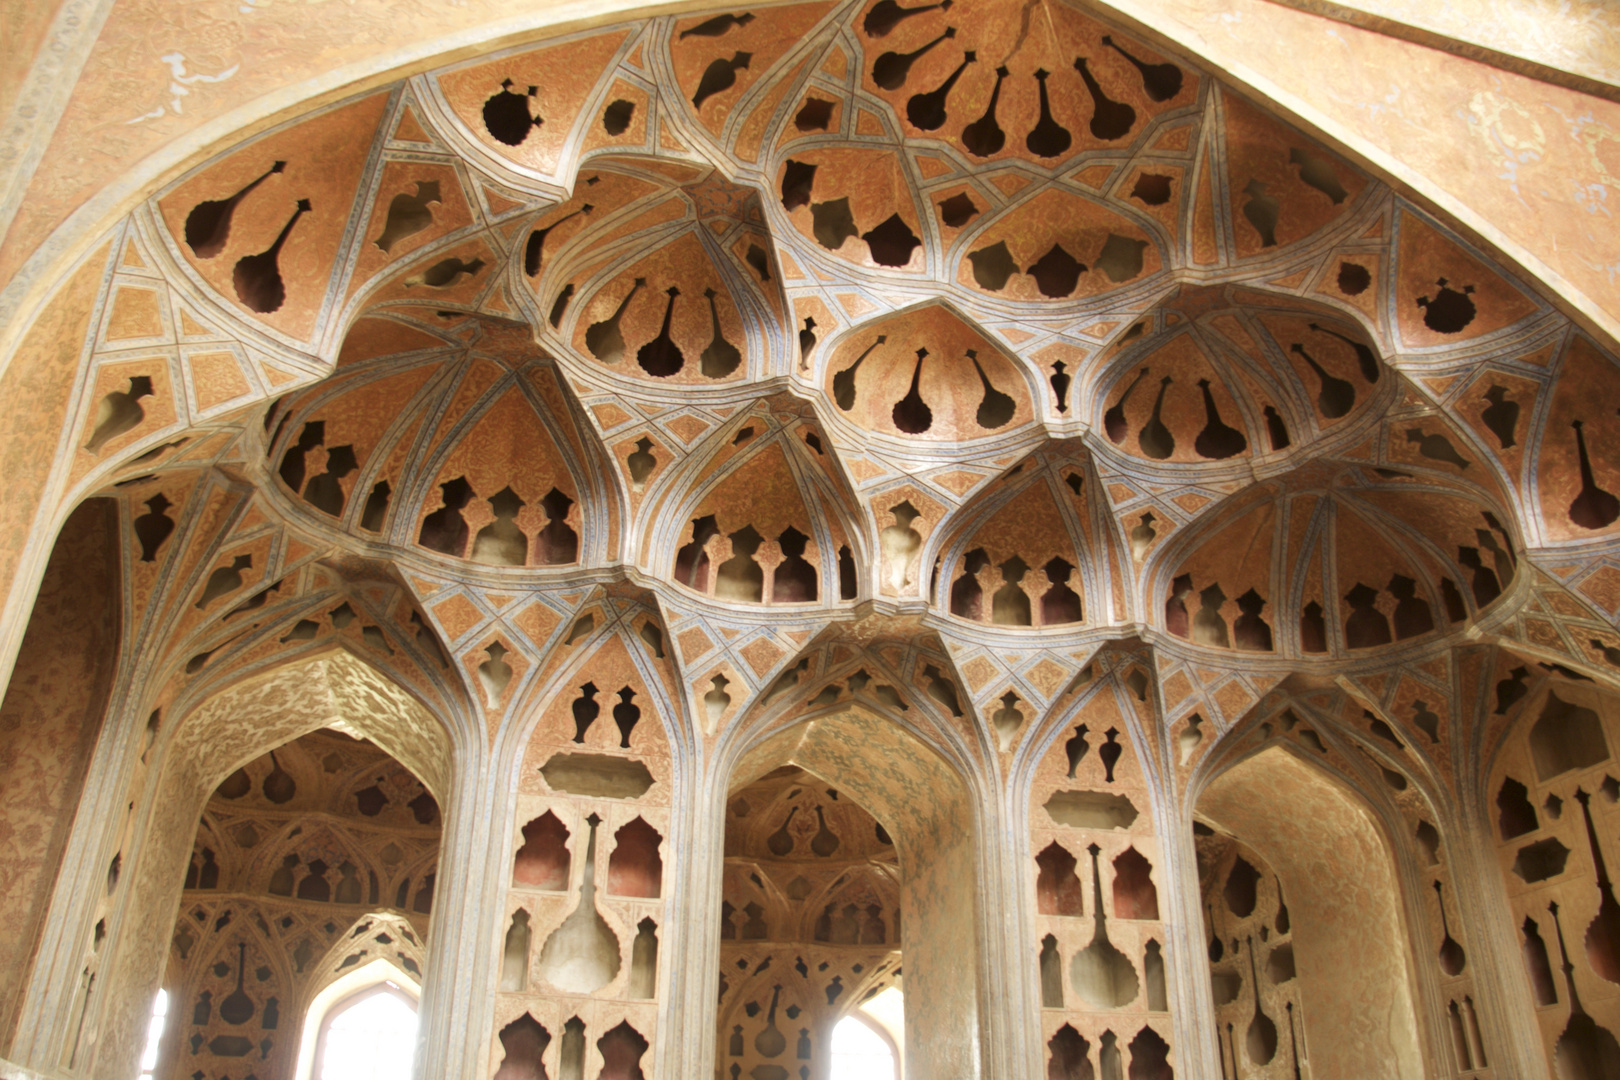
<point x="969" y="386"/>
<point x="1025" y="565"/>
<point x="512" y="468"/>
<point x="753" y="537"/>
<point x="668" y="315"/>
<point x="1190" y="418"/>
<point x="1403" y="558"/>
<point x="1058" y="247"/>
<point x="1284" y="187"/>
<point x="1019" y="61"/>
<point x="1225" y="588"/>
<point x="853" y="204"/>
<point x="499" y="102"/>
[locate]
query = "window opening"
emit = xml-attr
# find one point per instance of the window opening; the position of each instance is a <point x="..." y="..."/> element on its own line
<point x="371" y="1038"/>
<point x="154" y="1035"/>
<point x="860" y="1053"/>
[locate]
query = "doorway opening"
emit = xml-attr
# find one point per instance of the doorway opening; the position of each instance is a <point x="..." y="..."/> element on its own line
<point x="862" y="1051"/>
<point x="312" y="862"/>
<point x="1304" y="924"/>
<point x="370" y="1035"/>
<point x="809" y="931"/>
<point x="835" y="858"/>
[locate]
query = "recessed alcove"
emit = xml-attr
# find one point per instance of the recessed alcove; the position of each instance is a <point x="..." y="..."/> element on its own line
<point x="839" y="887"/>
<point x="1305" y="924"/>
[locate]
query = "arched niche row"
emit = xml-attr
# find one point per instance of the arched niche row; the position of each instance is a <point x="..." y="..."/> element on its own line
<point x="244" y="929"/>
<point x="1096" y="870"/>
<point x="810" y="920"/>
<point x="50" y="719"/>
<point x="763" y="516"/>
<point x="1025" y="551"/>
<point x="449" y="437"/>
<point x="1550" y="797"/>
<point x="923" y="857"/>
<point x="1351" y="997"/>
<point x="1227" y="374"/>
<point x="1334" y="560"/>
<point x="584" y="915"/>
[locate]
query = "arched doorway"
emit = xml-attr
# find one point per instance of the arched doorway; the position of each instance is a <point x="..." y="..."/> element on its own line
<point x="368" y="1035"/>
<point x="810" y="925"/>
<point x="239" y="942"/>
<point x="1306" y="925"/>
<point x="902" y="818"/>
<point x="289" y="849"/>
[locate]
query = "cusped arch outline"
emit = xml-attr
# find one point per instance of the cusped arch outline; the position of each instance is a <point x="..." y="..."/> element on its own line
<point x="767" y="473"/>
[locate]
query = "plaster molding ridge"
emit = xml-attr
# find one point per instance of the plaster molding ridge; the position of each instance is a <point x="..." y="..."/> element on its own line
<point x="44" y="97"/>
<point x="1517" y="63"/>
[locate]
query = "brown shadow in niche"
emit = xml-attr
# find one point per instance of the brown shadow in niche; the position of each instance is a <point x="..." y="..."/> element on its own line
<point x="524" y="1042"/>
<point x="1057" y="887"/>
<point x="635" y="868"/>
<point x="543" y="860"/>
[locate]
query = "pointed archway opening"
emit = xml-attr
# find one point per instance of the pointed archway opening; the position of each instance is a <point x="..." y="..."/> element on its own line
<point x="1305" y="930"/>
<point x="312" y="861"/>
<point x="809" y="929"/>
<point x="844" y="835"/>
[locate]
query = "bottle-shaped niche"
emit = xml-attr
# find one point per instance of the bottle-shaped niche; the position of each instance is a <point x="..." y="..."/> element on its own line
<point x="1585" y="1049"/>
<point x="1603" y="933"/>
<point x="603" y="338"/>
<point x="1101" y="974"/>
<point x="582" y="955"/>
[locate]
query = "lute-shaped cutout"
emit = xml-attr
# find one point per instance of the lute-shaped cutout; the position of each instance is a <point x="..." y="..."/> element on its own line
<point x="257" y="278"/>
<point x="1586" y="1050"/>
<point x="891" y="69"/>
<point x="1593" y="507"/>
<point x="1218" y="440"/>
<point x="887" y="14"/>
<point x="1336" y="396"/>
<point x="661" y="357"/>
<point x="984" y="137"/>
<point x="1161" y="81"/>
<point x="1102" y="975"/>
<point x="911" y="413"/>
<point x="1366" y="359"/>
<point x="1261" y="1040"/>
<point x="1114" y="422"/>
<point x="604" y="338"/>
<point x="1156" y="439"/>
<point x="208" y="226"/>
<point x="582" y="955"/>
<point x="1603" y="932"/>
<point x="1452" y="957"/>
<point x="721" y="358"/>
<point x="534" y="249"/>
<point x="927" y="111"/>
<point x="1110" y="119"/>
<point x="995" y="408"/>
<point x="1048" y="138"/>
